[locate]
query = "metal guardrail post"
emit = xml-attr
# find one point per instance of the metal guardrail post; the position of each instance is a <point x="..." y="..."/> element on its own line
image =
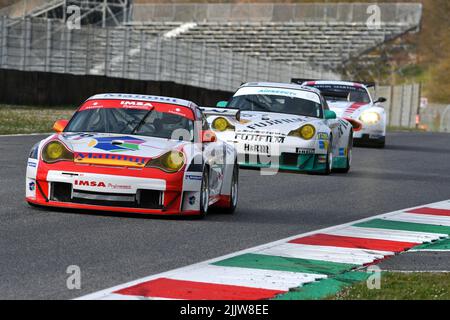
<point x="48" y="46"/>
<point x="26" y="42"/>
<point x="3" y="41"/>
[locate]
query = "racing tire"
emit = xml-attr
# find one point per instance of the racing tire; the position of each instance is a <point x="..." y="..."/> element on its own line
<point x="329" y="162"/>
<point x="234" y="192"/>
<point x="204" y="194"/>
<point x="349" y="156"/>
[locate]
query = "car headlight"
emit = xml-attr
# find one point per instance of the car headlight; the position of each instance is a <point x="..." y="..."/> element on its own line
<point x="221" y="124"/>
<point x="170" y="162"/>
<point x="305" y="132"/>
<point x="370" y="117"/>
<point x="55" y="151"/>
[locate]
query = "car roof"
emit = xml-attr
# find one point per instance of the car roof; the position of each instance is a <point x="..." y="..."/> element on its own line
<point x="345" y="83"/>
<point x="140" y="97"/>
<point x="280" y="85"/>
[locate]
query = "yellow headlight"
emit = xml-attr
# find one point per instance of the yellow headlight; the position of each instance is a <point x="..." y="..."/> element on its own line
<point x="174" y="160"/>
<point x="221" y="124"/>
<point x="307" y="132"/>
<point x="56" y="151"/>
<point x="370" y="117"/>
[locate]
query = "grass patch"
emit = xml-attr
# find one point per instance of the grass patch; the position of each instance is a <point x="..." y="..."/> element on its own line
<point x="25" y="119"/>
<point x="401" y="286"/>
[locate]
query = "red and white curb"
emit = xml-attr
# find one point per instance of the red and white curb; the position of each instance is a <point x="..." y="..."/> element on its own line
<point x="266" y="271"/>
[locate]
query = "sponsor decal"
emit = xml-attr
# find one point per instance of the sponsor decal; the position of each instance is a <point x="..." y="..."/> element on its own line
<point x="322" y="136"/>
<point x="292" y="93"/>
<point x="87" y="183"/>
<point x="323" y="145"/>
<point x="267" y="123"/>
<point x="32" y="164"/>
<point x="304" y="151"/>
<point x="32" y="186"/>
<point x="193" y="177"/>
<point x="342" y="152"/>
<point x="257" y="148"/>
<point x="260" y="137"/>
<point x="110" y="159"/>
<point x="116" y="144"/>
<point x="119" y="186"/>
<point x="192" y="200"/>
<point x="136" y="104"/>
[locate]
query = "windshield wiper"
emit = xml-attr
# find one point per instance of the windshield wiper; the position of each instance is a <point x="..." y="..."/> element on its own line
<point x="139" y="125"/>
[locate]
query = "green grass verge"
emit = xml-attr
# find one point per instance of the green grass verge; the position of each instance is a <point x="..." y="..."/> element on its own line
<point x="25" y="119"/>
<point x="401" y="286"/>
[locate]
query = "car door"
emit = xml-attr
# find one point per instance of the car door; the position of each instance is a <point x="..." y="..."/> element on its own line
<point x="215" y="155"/>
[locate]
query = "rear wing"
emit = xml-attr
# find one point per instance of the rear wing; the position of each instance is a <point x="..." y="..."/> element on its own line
<point x="301" y="81"/>
<point x="224" y="112"/>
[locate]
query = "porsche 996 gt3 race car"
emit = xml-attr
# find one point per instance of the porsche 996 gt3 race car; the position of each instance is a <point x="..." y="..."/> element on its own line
<point x="353" y="100"/>
<point x="136" y="154"/>
<point x="284" y="126"/>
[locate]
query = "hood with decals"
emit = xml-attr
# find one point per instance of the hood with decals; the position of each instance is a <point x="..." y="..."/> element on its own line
<point x="120" y="149"/>
<point x="345" y="109"/>
<point x="272" y="122"/>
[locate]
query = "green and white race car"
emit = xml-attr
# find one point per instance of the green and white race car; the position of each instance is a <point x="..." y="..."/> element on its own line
<point x="284" y="127"/>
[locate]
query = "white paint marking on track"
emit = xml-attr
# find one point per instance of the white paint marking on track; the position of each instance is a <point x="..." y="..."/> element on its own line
<point x="388" y="234"/>
<point x="333" y="254"/>
<point x="25" y="135"/>
<point x="107" y="293"/>
<point x="421" y="218"/>
<point x="252" y="278"/>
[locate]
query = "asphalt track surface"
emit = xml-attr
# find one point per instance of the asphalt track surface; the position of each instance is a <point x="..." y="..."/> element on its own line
<point x="37" y="246"/>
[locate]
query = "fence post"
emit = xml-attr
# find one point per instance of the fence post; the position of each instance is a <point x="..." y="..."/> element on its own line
<point x="88" y="53"/>
<point x="125" y="56"/>
<point x="3" y="42"/>
<point x="26" y="43"/>
<point x="105" y="71"/>
<point x="141" y="55"/>
<point x="48" y="48"/>
<point x="68" y="39"/>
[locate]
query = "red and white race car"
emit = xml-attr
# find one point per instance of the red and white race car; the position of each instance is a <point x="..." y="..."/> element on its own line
<point x="353" y="100"/>
<point x="136" y="154"/>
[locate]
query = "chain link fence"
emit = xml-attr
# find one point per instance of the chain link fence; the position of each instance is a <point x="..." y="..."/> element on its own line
<point x="48" y="45"/>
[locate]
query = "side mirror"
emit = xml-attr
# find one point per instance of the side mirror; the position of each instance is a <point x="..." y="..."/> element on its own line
<point x="330" y="114"/>
<point x="60" y="125"/>
<point x="222" y="104"/>
<point x="208" y="136"/>
<point x="381" y="100"/>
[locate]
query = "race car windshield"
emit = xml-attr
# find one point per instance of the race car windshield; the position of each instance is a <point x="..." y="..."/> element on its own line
<point x="343" y="93"/>
<point x="151" y="123"/>
<point x="278" y="104"/>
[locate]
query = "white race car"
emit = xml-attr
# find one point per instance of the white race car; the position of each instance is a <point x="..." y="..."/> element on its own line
<point x="353" y="100"/>
<point x="136" y="154"/>
<point x="284" y="126"/>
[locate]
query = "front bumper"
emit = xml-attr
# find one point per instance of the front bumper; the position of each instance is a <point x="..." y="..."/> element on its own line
<point x="289" y="153"/>
<point x="146" y="191"/>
